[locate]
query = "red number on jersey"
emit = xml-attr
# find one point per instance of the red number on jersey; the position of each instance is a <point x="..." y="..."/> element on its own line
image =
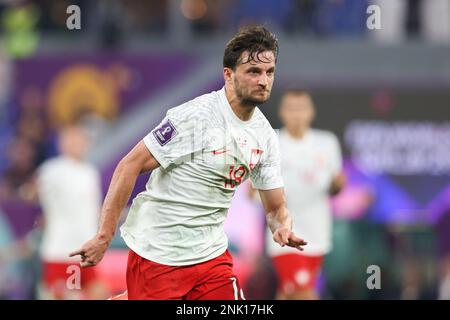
<point x="235" y="176"/>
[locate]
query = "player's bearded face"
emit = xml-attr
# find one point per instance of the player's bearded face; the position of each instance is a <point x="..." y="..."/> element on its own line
<point x="253" y="78"/>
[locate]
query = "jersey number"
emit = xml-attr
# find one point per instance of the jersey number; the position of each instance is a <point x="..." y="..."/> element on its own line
<point x="235" y="176"/>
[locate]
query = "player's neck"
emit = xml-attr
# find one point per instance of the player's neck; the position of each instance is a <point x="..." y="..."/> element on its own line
<point x="72" y="157"/>
<point x="243" y="112"/>
<point x="297" y="133"/>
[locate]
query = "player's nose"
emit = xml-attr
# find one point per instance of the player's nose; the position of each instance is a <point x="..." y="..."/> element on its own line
<point x="263" y="81"/>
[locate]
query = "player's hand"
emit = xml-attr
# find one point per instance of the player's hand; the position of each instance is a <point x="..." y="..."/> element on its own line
<point x="92" y="251"/>
<point x="285" y="237"/>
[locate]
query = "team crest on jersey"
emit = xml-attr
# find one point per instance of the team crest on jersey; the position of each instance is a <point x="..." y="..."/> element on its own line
<point x="165" y="132"/>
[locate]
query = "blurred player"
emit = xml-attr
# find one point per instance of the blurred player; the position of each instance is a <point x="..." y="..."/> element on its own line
<point x="70" y="196"/>
<point x="311" y="167"/>
<point x="200" y="153"/>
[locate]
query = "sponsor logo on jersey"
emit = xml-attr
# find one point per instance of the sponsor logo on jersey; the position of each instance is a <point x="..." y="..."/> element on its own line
<point x="219" y="151"/>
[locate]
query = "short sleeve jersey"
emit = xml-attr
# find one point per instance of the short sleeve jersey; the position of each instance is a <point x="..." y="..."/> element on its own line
<point x="71" y="197"/>
<point x="309" y="165"/>
<point x="205" y="152"/>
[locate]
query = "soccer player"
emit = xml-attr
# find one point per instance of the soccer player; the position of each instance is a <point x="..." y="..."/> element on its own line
<point x="312" y="171"/>
<point x="69" y="191"/>
<point x="200" y="153"/>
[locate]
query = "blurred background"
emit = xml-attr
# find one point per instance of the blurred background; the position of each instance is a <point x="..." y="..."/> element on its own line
<point x="385" y="93"/>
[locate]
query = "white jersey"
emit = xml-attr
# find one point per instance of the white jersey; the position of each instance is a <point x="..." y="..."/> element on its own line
<point x="205" y="152"/>
<point x="70" y="196"/>
<point x="308" y="166"/>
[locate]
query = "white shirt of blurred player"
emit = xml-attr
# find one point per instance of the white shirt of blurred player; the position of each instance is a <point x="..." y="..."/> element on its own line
<point x="70" y="196"/>
<point x="308" y="166"/>
<point x="205" y="152"/>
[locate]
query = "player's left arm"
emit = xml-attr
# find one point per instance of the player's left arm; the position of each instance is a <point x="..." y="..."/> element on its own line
<point x="279" y="219"/>
<point x="339" y="179"/>
<point x="337" y="184"/>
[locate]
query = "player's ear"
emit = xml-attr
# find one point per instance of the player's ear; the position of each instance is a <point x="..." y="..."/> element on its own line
<point x="227" y="74"/>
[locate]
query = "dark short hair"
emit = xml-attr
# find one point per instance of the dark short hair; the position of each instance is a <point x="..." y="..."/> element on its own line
<point x="255" y="40"/>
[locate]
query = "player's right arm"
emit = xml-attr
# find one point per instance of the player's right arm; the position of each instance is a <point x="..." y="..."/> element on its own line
<point x="137" y="161"/>
<point x="279" y="219"/>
